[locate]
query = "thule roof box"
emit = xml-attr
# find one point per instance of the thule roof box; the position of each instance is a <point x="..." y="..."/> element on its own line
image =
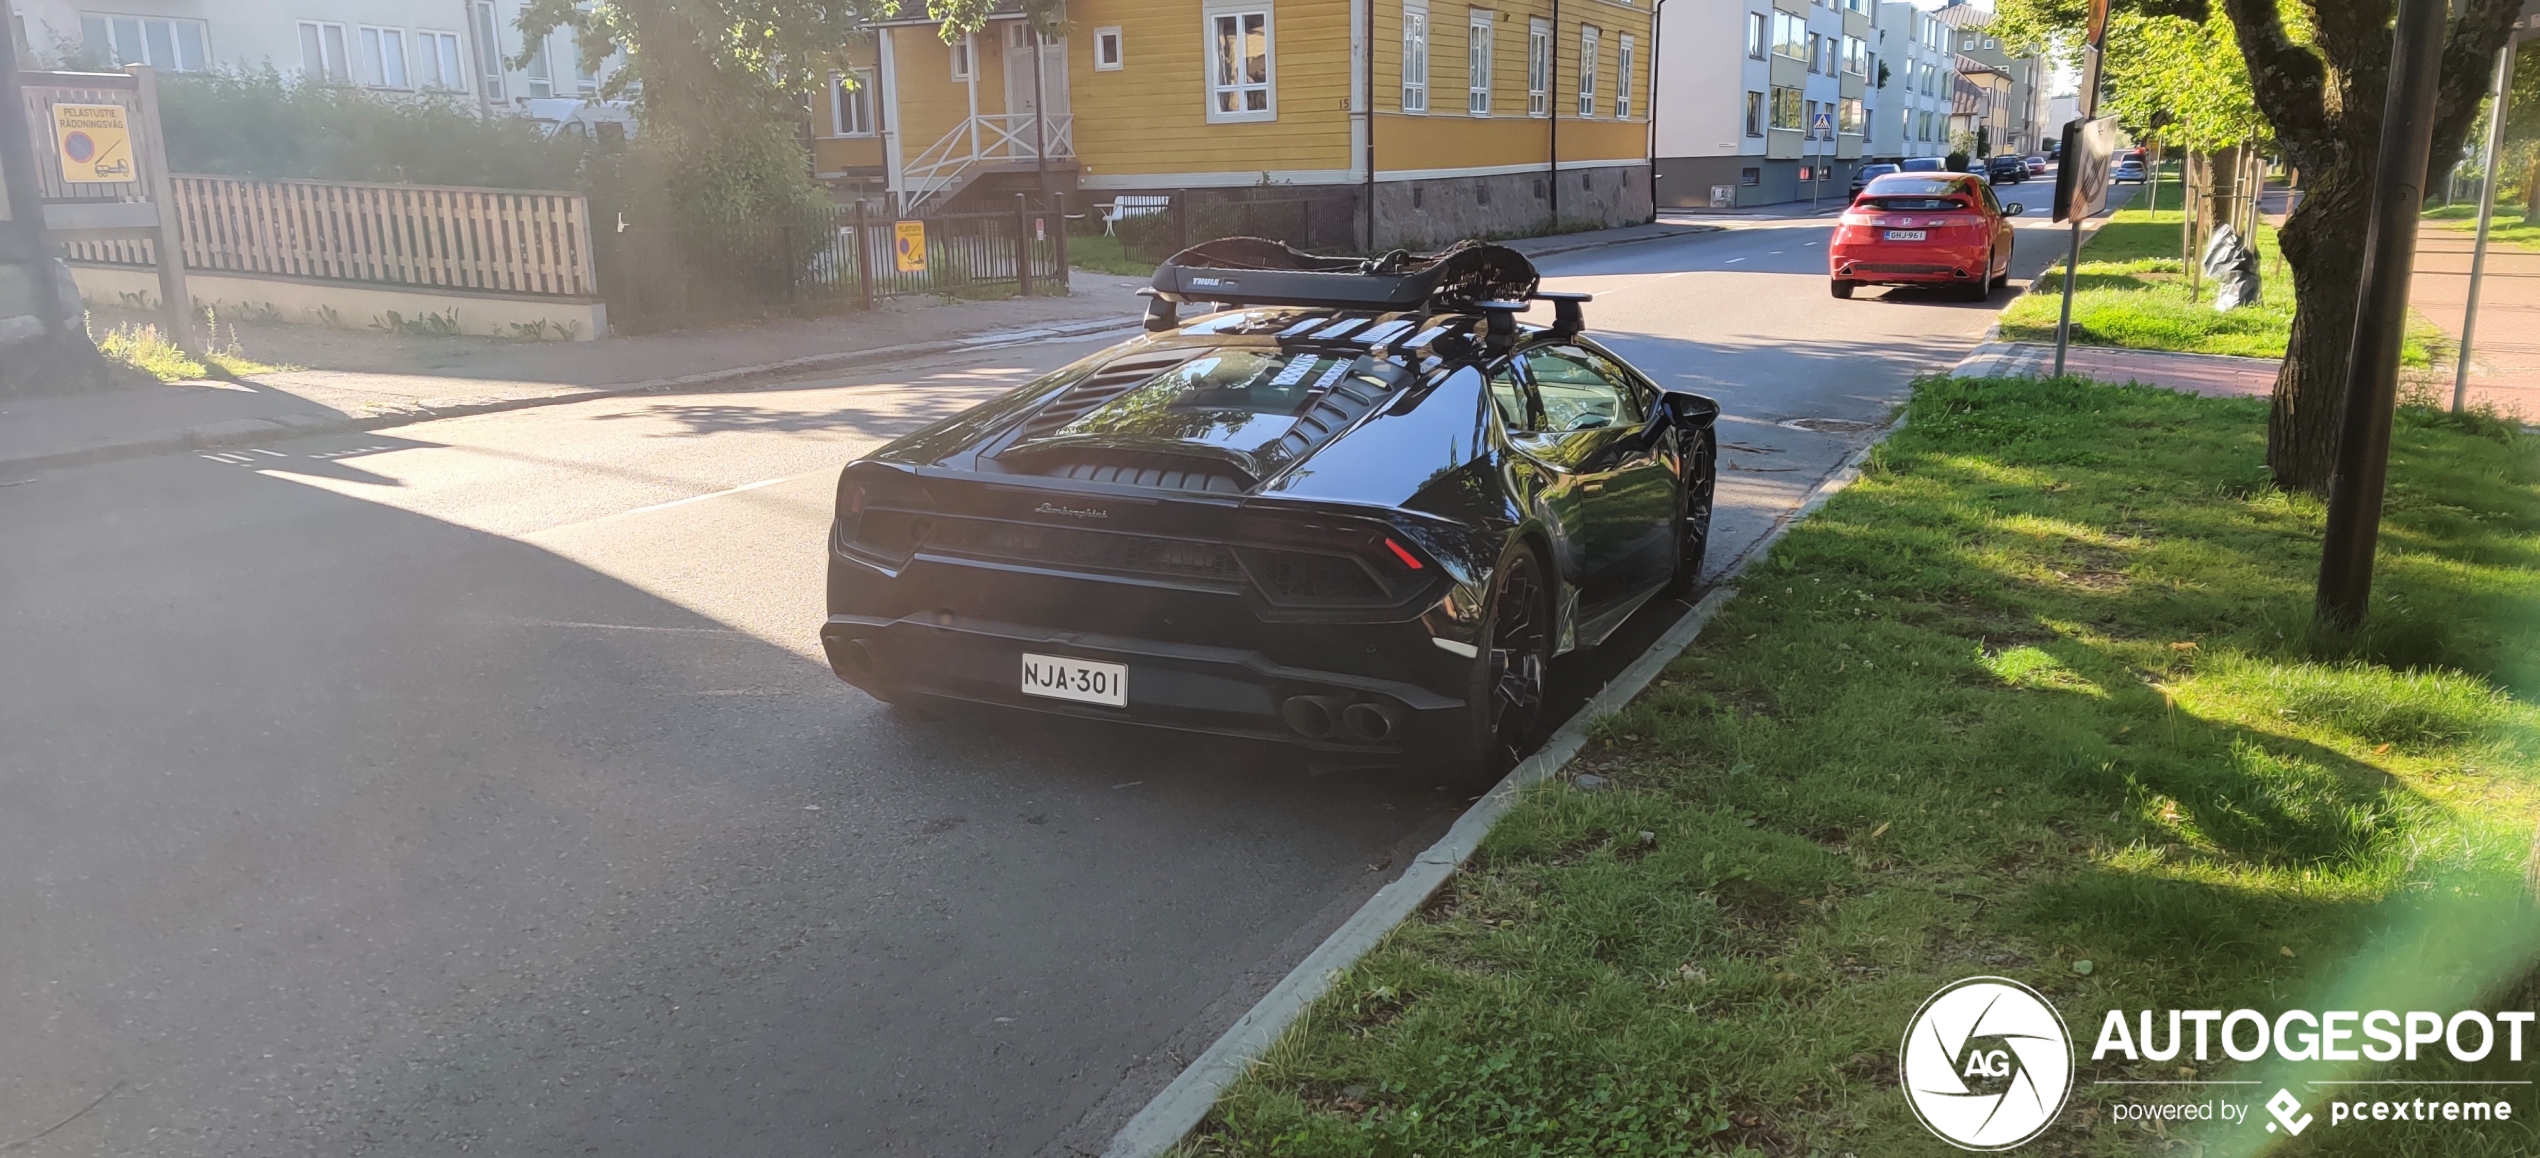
<point x="1252" y="271"/>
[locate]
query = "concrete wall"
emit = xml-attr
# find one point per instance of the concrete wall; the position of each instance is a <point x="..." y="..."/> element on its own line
<point x="1443" y="210"/>
<point x="1685" y="182"/>
<point x="354" y="306"/>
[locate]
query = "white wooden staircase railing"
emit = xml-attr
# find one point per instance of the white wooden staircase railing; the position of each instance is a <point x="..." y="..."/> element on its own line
<point x="995" y="142"/>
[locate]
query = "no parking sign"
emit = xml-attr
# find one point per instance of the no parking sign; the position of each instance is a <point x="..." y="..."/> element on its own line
<point x="908" y="246"/>
<point x="94" y="142"/>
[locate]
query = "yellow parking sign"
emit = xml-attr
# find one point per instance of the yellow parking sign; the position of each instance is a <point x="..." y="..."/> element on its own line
<point x="95" y="144"/>
<point x="908" y="248"/>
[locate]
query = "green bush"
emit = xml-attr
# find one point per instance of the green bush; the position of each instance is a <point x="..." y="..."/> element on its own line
<point x="263" y="125"/>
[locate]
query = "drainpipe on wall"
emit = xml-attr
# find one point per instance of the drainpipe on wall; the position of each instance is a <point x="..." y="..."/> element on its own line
<point x="1040" y="113"/>
<point x="1657" y="40"/>
<point x="1367" y="109"/>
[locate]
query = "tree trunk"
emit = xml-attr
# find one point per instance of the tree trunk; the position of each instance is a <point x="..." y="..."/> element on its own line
<point x="2531" y="189"/>
<point x="2323" y="245"/>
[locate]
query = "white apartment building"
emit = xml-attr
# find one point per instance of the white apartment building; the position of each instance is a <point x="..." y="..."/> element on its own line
<point x="1762" y="101"/>
<point x="1910" y="115"/>
<point x="460" y="47"/>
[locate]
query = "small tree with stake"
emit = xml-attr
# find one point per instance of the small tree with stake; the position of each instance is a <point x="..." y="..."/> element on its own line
<point x="2317" y="70"/>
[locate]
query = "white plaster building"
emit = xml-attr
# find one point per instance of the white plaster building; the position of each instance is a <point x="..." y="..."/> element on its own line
<point x="1911" y="112"/>
<point x="1756" y="98"/>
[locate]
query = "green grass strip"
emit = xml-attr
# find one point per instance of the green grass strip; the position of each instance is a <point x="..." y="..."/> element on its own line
<point x="2037" y="696"/>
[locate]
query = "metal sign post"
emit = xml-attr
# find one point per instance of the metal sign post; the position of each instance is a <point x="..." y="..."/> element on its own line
<point x="1823" y="129"/>
<point x="2525" y="27"/>
<point x="2080" y="176"/>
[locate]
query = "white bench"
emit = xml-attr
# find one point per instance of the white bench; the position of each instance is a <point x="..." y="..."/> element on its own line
<point x="1129" y="205"/>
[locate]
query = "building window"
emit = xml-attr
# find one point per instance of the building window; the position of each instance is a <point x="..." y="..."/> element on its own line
<point x="1758" y="35"/>
<point x="1239" y="66"/>
<point x="1477" y="50"/>
<point x="489" y="49"/>
<point x="1415" y="58"/>
<point x="1816" y="51"/>
<point x="1750" y="176"/>
<point x="1539" y="68"/>
<point x="323" y="59"/>
<point x="1107" y="56"/>
<point x="173" y="45"/>
<point x="541" y="79"/>
<point x="135" y="39"/>
<point x="1588" y="37"/>
<point x="586" y="77"/>
<point x="1790" y="35"/>
<point x="1856" y="56"/>
<point x="960" y="51"/>
<point x="1968" y="44"/>
<point x="1786" y="114"/>
<point x="1754" y="114"/>
<point x="1990" y="42"/>
<point x="384" y="57"/>
<point x="1623" y="77"/>
<point x="438" y="56"/>
<point x="1848" y="116"/>
<point x="851" y="103"/>
<point x="1811" y="121"/>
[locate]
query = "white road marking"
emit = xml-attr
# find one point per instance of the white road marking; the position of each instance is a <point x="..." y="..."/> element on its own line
<point x="765" y="482"/>
<point x="624" y="627"/>
<point x="267" y="453"/>
<point x="1733" y="261"/>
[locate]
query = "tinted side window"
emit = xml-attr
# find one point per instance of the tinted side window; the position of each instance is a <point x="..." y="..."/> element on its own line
<point x="1580" y="390"/>
<point x="1515" y="402"/>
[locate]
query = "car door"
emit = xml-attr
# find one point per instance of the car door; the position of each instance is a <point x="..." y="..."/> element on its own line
<point x="1997" y="227"/>
<point x="1614" y="484"/>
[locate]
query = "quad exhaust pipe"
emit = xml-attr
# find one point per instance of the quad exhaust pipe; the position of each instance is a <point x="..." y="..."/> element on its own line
<point x="1328" y="717"/>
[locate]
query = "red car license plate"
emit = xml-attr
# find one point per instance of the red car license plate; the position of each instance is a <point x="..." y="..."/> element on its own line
<point x="1904" y="235"/>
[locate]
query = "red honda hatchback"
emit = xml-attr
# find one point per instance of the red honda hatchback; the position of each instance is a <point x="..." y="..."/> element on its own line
<point x="1924" y="229"/>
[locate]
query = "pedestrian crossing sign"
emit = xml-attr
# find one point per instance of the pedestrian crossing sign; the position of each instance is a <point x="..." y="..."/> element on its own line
<point x="1824" y="123"/>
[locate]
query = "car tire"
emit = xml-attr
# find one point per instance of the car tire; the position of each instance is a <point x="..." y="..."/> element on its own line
<point x="2003" y="278"/>
<point x="1693" y="513"/>
<point x="1843" y="288"/>
<point x="1503" y="714"/>
<point x="1981" y="289"/>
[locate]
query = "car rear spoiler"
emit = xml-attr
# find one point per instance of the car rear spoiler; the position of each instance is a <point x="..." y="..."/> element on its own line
<point x="1253" y="271"/>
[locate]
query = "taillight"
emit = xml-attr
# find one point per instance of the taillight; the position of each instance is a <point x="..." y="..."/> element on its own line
<point x="1403" y="553"/>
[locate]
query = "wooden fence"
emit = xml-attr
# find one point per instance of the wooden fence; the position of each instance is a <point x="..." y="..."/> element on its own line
<point x="497" y="240"/>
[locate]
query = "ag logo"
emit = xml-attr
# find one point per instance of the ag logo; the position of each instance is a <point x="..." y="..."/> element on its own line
<point x="1986" y="1064"/>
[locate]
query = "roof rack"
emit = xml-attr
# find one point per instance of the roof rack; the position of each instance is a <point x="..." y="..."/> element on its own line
<point x="1255" y="271"/>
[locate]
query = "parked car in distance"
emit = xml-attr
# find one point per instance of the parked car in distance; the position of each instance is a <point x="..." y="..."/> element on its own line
<point x="2036" y="166"/>
<point x="1923" y="165"/>
<point x="1356" y="507"/>
<point x="2128" y="171"/>
<point x="1861" y="177"/>
<point x="2005" y="169"/>
<point x="1920" y="229"/>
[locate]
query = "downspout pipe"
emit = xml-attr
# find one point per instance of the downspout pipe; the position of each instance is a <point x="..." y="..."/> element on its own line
<point x="1367" y="109"/>
<point x="1657" y="41"/>
<point x="1552" y="147"/>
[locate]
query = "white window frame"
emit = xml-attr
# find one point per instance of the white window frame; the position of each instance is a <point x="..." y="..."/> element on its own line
<point x="1759" y="36"/>
<point x="1111" y="53"/>
<point x="841" y="100"/>
<point x="446" y="57"/>
<point x="1479" y="25"/>
<point x="113" y="26"/>
<point x="963" y="54"/>
<point x="1267" y="86"/>
<point x="374" y="49"/>
<point x="336" y="71"/>
<point x="1538" y="67"/>
<point x="1856" y="56"/>
<point x="487" y="29"/>
<point x="1415" y="56"/>
<point x="1758" y="113"/>
<point x="1623" y="48"/>
<point x="1591" y="40"/>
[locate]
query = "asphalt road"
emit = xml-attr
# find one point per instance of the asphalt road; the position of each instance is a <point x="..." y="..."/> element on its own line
<point x="476" y="785"/>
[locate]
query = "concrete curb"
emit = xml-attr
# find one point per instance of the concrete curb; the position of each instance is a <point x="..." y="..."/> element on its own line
<point x="1182" y="1105"/>
<point x="242" y="431"/>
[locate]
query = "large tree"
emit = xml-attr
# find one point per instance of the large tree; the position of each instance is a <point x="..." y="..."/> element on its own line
<point x="2319" y="71"/>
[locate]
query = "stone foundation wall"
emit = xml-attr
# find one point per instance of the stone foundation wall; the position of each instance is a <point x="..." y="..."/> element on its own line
<point x="1438" y="211"/>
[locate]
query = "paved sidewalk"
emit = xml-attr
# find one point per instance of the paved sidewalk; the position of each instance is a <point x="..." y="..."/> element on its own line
<point x="375" y="380"/>
<point x="2504" y="367"/>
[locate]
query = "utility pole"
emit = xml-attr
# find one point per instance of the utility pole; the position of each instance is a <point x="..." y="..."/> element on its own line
<point x="2381" y="314"/>
<point x="2070" y="172"/>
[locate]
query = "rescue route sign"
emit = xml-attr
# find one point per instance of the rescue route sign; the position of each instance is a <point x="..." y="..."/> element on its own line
<point x="908" y="246"/>
<point x="95" y="144"/>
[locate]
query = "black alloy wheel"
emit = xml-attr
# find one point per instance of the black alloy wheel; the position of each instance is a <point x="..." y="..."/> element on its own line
<point x="1693" y="511"/>
<point x="1504" y="698"/>
<point x="1843" y="288"/>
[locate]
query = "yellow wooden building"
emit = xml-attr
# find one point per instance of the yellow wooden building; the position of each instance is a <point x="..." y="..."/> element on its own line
<point x="1425" y="119"/>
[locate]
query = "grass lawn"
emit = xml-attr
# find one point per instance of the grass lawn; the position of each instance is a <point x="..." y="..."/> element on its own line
<point x="145" y="348"/>
<point x="2133" y="293"/>
<point x="2507" y="227"/>
<point x="2034" y="697"/>
<point x="1103" y="254"/>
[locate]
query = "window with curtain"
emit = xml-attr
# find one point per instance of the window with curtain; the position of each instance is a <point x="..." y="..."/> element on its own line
<point x="171" y="45"/>
<point x="1539" y="68"/>
<point x="1415" y="58"/>
<point x="1477" y="50"/>
<point x="1588" y="44"/>
<point x="1239" y="65"/>
<point x="851" y="103"/>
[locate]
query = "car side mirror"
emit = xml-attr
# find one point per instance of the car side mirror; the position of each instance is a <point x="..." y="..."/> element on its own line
<point x="2014" y="209"/>
<point x="1690" y="411"/>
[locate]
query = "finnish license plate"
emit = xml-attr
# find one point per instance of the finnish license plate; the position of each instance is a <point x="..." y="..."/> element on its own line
<point x="1082" y="680"/>
<point x="1904" y="235"/>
